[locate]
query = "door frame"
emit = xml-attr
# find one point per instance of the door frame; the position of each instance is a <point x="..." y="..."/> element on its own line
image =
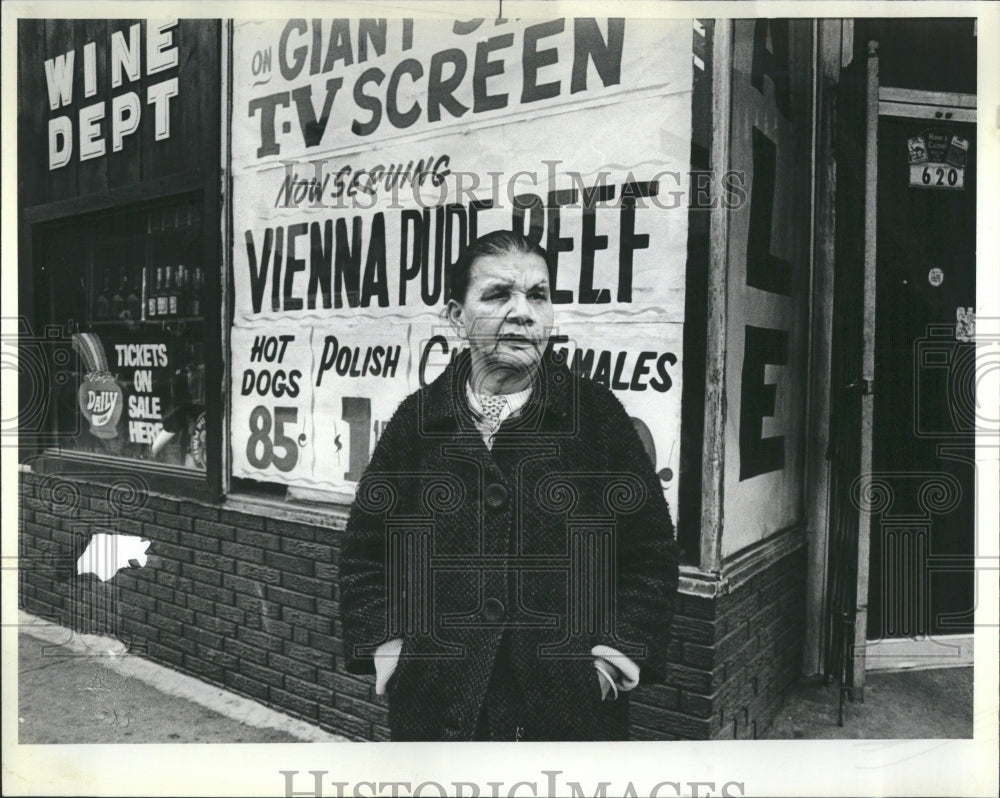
<point x="841" y="381"/>
<point x="836" y="42"/>
<point x="933" y="105"/>
<point x="927" y="651"/>
<point x="867" y="376"/>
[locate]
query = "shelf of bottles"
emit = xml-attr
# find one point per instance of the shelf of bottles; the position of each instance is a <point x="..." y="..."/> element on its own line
<point x="156" y="278"/>
<point x="144" y="332"/>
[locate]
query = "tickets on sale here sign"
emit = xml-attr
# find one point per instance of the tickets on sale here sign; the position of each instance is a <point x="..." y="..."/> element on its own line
<point x="368" y="153"/>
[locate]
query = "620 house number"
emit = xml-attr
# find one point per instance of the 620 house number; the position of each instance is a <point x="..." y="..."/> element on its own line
<point x="939" y="176"/>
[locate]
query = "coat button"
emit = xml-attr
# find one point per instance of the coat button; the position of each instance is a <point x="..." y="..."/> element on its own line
<point x="496" y="496"/>
<point x="493" y="610"/>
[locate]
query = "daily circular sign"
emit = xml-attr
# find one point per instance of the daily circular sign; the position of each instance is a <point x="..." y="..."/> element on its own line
<point x="99" y="396"/>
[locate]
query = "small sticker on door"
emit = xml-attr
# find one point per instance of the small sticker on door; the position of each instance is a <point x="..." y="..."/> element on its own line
<point x="958" y="152"/>
<point x="935" y="277"/>
<point x="918" y="149"/>
<point x="937" y="144"/>
<point x="965" y="324"/>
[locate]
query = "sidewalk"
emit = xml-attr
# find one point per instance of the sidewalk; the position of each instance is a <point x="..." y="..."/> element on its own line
<point x="80" y="689"/>
<point x="912" y="704"/>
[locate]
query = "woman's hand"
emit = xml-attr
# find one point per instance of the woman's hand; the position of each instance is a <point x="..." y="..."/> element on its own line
<point x="616" y="672"/>
<point x="386" y="659"/>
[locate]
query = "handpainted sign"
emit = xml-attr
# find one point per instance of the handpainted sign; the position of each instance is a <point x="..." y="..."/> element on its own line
<point x="113" y="104"/>
<point x="368" y="153"/>
<point x="110" y="110"/>
<point x="767" y="300"/>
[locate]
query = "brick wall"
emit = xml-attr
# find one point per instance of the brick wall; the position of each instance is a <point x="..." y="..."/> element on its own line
<point x="733" y="658"/>
<point x="239" y="600"/>
<point x="249" y="603"/>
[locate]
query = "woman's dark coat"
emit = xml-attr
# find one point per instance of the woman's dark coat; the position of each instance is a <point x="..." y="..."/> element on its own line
<point x="508" y="564"/>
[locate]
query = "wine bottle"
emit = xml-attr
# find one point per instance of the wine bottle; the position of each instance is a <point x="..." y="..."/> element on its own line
<point x="180" y="288"/>
<point x="168" y="284"/>
<point x="150" y="290"/>
<point x="172" y="308"/>
<point x="196" y="287"/>
<point x="161" y="297"/>
<point x="102" y="301"/>
<point x="118" y="299"/>
<point x="133" y="305"/>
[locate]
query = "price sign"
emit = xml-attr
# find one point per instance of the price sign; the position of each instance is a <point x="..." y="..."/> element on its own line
<point x="272" y="427"/>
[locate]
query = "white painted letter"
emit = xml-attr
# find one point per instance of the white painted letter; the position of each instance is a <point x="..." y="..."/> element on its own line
<point x="91" y="140"/>
<point x="125" y="113"/>
<point x="89" y="69"/>
<point x="60" y="126"/>
<point x="159" y="96"/>
<point x="59" y="77"/>
<point x="125" y="55"/>
<point x="160" y="54"/>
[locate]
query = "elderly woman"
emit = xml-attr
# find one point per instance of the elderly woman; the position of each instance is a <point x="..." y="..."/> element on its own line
<point x="509" y="568"/>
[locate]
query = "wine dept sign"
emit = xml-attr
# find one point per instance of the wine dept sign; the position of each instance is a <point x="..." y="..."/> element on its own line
<point x="91" y="125"/>
<point x="368" y="153"/>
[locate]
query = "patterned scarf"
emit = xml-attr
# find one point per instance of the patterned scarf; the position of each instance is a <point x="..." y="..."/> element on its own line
<point x="491" y="407"/>
<point x="491" y="410"/>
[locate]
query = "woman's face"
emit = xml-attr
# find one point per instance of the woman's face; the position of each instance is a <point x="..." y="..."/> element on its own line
<point x="506" y="316"/>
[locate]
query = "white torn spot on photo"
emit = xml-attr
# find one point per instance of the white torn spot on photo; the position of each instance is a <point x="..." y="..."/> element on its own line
<point x="106" y="554"/>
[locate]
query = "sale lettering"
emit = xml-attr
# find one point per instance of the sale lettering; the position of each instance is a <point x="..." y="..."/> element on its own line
<point x="765" y="347"/>
<point x="425" y="91"/>
<point x="144" y="407"/>
<point x="125" y="55"/>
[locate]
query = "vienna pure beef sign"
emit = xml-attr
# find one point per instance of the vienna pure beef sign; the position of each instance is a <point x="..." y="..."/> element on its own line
<point x="368" y="153"/>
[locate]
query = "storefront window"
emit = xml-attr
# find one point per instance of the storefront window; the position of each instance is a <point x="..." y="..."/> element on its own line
<point x="128" y="288"/>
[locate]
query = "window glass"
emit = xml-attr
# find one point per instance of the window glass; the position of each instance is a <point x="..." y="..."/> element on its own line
<point x="128" y="289"/>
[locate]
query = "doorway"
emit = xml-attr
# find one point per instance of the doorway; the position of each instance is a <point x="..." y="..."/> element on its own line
<point x="921" y="590"/>
<point x="899" y="583"/>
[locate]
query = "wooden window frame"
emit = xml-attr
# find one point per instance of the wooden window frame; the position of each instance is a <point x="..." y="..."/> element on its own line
<point x="160" y="478"/>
